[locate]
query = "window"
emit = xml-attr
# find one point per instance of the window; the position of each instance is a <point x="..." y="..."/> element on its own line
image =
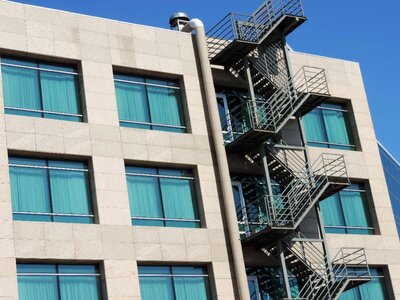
<point x="327" y="126"/>
<point x="249" y="194"/>
<point x="372" y="290"/>
<point x="40" y="89"/>
<point x="392" y="174"/>
<point x="173" y="283"/>
<point x="58" y="282"/>
<point x="347" y="212"/>
<point x="267" y="283"/>
<point x="162" y="197"/>
<point x="149" y="103"/>
<point x="50" y="190"/>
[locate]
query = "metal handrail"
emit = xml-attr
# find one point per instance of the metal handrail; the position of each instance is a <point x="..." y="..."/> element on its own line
<point x="261" y="21"/>
<point x="339" y="275"/>
<point x="271" y="115"/>
<point x="286" y="210"/>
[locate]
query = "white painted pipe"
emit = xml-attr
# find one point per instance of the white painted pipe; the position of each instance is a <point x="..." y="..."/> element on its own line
<point x="222" y="161"/>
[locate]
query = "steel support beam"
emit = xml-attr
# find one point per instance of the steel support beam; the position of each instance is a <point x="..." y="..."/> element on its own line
<point x="253" y="102"/>
<point x="284" y="271"/>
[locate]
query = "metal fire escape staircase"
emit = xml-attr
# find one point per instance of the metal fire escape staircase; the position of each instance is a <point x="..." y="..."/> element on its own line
<point x="253" y="47"/>
<point x="278" y="217"/>
<point x="318" y="279"/>
<point x="303" y="186"/>
<point x="237" y="34"/>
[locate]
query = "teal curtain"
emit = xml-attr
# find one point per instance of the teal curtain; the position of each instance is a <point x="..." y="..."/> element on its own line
<point x="21" y="87"/>
<point x="373" y="290"/>
<point x="355" y="209"/>
<point x="353" y="294"/>
<point x="40" y="90"/>
<point x="152" y="288"/>
<point x="314" y="126"/>
<point x="59" y="92"/>
<point x="37" y="288"/>
<point x="165" y="107"/>
<point x="190" y="288"/>
<point x="156" y="282"/>
<point x="332" y="211"/>
<point x="336" y="128"/>
<point x="178" y="199"/>
<point x="79" y="288"/>
<point x="70" y="191"/>
<point x="145" y="199"/>
<point x="63" y="282"/>
<point x="30" y="191"/>
<point x="132" y="103"/>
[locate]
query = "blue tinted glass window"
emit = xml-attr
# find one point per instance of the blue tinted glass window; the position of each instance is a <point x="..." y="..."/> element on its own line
<point x="58" y="282"/>
<point x="50" y="191"/>
<point x="328" y="126"/>
<point x="36" y="89"/>
<point x="391" y="168"/>
<point x="347" y="212"/>
<point x="149" y="103"/>
<point x="173" y="283"/>
<point x="162" y="197"/>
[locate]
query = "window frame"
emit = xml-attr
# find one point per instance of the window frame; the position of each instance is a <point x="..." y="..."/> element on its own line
<point x="349" y="229"/>
<point x="172" y="276"/>
<point x="332" y="145"/>
<point x="377" y="274"/>
<point x="52" y="214"/>
<point x="39" y="69"/>
<point x="59" y="274"/>
<point x="175" y="85"/>
<point x="165" y="220"/>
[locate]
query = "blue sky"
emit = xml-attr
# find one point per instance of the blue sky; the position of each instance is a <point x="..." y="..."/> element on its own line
<point x="358" y="30"/>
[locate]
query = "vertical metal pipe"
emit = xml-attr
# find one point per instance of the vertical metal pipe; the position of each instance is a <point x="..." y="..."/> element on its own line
<point x="323" y="235"/>
<point x="253" y="103"/>
<point x="265" y="169"/>
<point x="221" y="159"/>
<point x="284" y="270"/>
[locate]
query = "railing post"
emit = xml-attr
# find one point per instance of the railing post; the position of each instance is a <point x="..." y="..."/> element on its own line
<point x="284" y="270"/>
<point x="235" y="29"/>
<point x="324" y="244"/>
<point x="253" y="102"/>
<point x="267" y="178"/>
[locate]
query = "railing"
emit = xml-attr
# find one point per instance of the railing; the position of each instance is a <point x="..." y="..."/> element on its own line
<point x="232" y="27"/>
<point x="291" y="157"/>
<point x="350" y="264"/>
<point x="272" y="114"/>
<point x="250" y="28"/>
<point x="287" y="209"/>
<point x="309" y="254"/>
<point x="270" y="61"/>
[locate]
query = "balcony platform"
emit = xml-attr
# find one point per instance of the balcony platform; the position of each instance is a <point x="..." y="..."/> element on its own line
<point x="249" y="141"/>
<point x="238" y="48"/>
<point x="266" y="237"/>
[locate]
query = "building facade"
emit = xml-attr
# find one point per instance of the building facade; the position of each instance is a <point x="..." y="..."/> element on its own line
<point x="391" y="167"/>
<point x="145" y="163"/>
